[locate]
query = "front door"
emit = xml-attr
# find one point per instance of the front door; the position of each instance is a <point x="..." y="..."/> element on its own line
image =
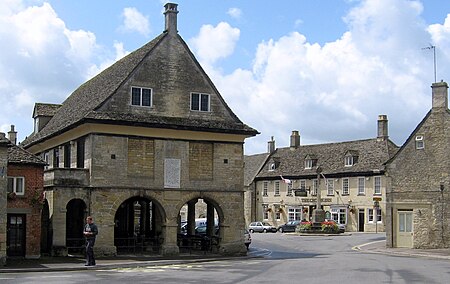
<point x="361" y="220"/>
<point x="404" y="229"/>
<point x="15" y="239"/>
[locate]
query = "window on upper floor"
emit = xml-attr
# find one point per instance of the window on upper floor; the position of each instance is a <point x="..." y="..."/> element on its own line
<point x="16" y="185"/>
<point x="377" y="185"/>
<point x="56" y="157"/>
<point x="200" y="102"/>
<point x="420" y="144"/>
<point x="265" y="187"/>
<point x="348" y="161"/>
<point x="141" y="96"/>
<point x="277" y="188"/>
<point x="315" y="187"/>
<point x="361" y="186"/>
<point x="308" y="164"/>
<point x="289" y="189"/>
<point x="345" y="186"/>
<point x="330" y="186"/>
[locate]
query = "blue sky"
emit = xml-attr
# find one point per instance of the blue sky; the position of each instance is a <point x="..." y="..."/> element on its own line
<point x="326" y="68"/>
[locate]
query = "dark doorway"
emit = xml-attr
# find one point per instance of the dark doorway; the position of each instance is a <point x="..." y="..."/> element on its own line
<point x="16" y="229"/>
<point x="46" y="231"/>
<point x="138" y="226"/>
<point x="361" y="218"/>
<point x="76" y="213"/>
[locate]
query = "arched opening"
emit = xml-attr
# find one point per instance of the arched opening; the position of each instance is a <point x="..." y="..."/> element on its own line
<point x="199" y="226"/>
<point x="138" y="226"/>
<point x="46" y="229"/>
<point x="76" y="213"/>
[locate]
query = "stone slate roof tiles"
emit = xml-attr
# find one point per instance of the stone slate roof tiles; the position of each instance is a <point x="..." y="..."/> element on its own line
<point x="330" y="157"/>
<point x="252" y="166"/>
<point x="41" y="109"/>
<point x="17" y="155"/>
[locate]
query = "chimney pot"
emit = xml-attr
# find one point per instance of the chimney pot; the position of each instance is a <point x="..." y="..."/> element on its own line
<point x="12" y="135"/>
<point x="439" y="95"/>
<point x="382" y="128"/>
<point x="171" y="18"/>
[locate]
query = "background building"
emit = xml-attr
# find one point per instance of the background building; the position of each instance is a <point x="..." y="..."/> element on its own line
<point x="419" y="181"/>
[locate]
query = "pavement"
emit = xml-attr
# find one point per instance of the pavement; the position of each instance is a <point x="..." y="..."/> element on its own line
<point x="72" y="263"/>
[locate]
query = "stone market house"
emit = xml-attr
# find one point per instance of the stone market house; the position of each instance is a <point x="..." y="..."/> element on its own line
<point x="136" y="143"/>
<point x="23" y="174"/>
<point x="419" y="181"/>
<point x="352" y="178"/>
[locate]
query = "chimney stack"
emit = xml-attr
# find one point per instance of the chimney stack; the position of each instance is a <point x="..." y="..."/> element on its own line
<point x="295" y="139"/>
<point x="171" y="18"/>
<point x="271" y="146"/>
<point x="382" y="128"/>
<point x="12" y="135"/>
<point x="440" y="96"/>
<point x="2" y="135"/>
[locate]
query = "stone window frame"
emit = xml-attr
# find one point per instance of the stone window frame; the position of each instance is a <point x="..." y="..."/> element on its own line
<point x="142" y="103"/>
<point x="202" y="103"/>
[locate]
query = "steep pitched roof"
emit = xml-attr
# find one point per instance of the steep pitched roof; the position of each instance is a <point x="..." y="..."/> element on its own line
<point x="252" y="166"/>
<point x="330" y="157"/>
<point x="41" y="109"/>
<point x="169" y="66"/>
<point x="17" y="155"/>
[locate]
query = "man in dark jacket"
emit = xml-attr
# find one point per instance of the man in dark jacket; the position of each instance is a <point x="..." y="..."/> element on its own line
<point x="90" y="232"/>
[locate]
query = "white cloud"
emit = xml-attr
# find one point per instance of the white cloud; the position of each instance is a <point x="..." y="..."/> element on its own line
<point x="134" y="21"/>
<point x="235" y="13"/>
<point x="336" y="91"/>
<point x="41" y="61"/>
<point x="213" y="43"/>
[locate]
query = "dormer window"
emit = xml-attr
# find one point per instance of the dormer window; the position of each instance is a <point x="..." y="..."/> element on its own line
<point x="419" y="142"/>
<point x="310" y="162"/>
<point x="349" y="161"/>
<point x="200" y="102"/>
<point x="272" y="166"/>
<point x="141" y="97"/>
<point x="350" y="158"/>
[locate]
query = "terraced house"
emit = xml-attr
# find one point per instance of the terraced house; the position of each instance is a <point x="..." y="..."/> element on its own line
<point x="136" y="143"/>
<point x="351" y="178"/>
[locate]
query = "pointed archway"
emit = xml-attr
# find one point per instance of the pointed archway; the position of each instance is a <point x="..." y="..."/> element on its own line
<point x="138" y="226"/>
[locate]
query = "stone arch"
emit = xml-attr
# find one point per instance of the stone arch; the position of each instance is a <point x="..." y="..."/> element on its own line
<point x="75" y="216"/>
<point x="139" y="222"/>
<point x="202" y="233"/>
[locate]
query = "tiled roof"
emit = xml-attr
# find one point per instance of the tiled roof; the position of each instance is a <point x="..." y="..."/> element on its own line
<point x="4" y="140"/>
<point x="17" y="155"/>
<point x="330" y="157"/>
<point x="92" y="101"/>
<point x="252" y="166"/>
<point x="41" y="109"/>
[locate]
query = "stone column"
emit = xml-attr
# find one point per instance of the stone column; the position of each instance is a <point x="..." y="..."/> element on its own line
<point x="191" y="217"/>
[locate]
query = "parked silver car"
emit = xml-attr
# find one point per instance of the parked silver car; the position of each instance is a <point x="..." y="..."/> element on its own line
<point x="262" y="227"/>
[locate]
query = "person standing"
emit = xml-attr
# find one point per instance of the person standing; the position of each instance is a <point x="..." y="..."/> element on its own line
<point x="90" y="233"/>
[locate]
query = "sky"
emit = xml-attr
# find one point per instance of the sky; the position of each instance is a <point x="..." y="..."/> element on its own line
<point x="326" y="68"/>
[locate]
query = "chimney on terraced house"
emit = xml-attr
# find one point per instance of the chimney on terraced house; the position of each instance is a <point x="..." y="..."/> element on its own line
<point x="295" y="139"/>
<point x="382" y="128"/>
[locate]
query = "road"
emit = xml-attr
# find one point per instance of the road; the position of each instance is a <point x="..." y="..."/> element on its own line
<point x="281" y="258"/>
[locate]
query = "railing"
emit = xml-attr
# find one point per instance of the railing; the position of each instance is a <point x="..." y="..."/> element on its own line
<point x="192" y="243"/>
<point x="138" y="244"/>
<point x="75" y="245"/>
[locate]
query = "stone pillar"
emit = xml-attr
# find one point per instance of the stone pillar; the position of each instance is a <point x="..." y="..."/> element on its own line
<point x="191" y="217"/>
<point x="104" y="244"/>
<point x="170" y="246"/>
<point x="58" y="217"/>
<point x="210" y="222"/>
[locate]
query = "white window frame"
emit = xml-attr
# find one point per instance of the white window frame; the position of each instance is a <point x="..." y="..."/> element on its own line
<point x="420" y="143"/>
<point x="198" y="107"/>
<point x="339" y="215"/>
<point x="330" y="186"/>
<point x="345" y="186"/>
<point x="277" y="209"/>
<point x="265" y="188"/>
<point x="289" y="189"/>
<point x="315" y="187"/>
<point x="276" y="188"/>
<point x="361" y="185"/>
<point x="377" y="185"/>
<point x="271" y="167"/>
<point x="265" y="208"/>
<point x="17" y="187"/>
<point x="348" y="161"/>
<point x="308" y="164"/>
<point x="371" y="216"/>
<point x="294" y="213"/>
<point x="141" y="96"/>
